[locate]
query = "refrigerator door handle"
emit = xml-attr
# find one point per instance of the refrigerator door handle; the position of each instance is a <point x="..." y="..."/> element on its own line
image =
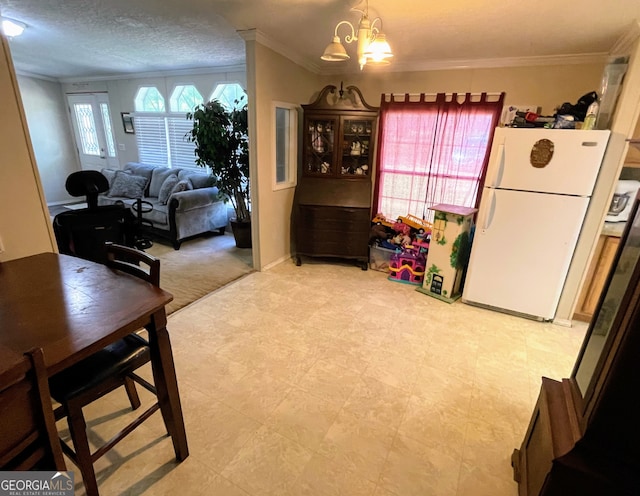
<point x="487" y="218"/>
<point x="496" y="177"/>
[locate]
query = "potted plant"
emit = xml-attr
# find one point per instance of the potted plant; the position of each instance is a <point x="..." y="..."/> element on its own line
<point x="222" y="145"/>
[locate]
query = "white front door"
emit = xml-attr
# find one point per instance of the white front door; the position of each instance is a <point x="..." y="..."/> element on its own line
<point x="93" y="130"/>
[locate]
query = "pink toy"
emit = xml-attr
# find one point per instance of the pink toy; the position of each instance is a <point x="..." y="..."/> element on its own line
<point x="407" y="266"/>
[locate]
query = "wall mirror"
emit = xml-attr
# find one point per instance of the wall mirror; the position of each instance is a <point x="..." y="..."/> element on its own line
<point x="604" y="325"/>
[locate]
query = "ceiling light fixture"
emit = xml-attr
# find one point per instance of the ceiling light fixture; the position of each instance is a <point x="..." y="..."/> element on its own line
<point x="372" y="49"/>
<point x="11" y="27"/>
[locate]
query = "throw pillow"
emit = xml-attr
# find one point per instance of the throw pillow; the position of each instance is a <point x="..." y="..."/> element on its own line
<point x="110" y="174"/>
<point x="158" y="176"/>
<point x="166" y="189"/>
<point x="198" y="179"/>
<point x="183" y="185"/>
<point x="128" y="185"/>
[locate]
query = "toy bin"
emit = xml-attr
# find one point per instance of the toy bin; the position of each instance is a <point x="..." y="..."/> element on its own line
<point x="379" y="258"/>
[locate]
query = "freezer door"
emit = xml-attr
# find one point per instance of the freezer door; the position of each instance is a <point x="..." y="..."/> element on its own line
<point x="572" y="170"/>
<point x="521" y="251"/>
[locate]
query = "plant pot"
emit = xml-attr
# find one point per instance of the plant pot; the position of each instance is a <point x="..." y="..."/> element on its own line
<point x="242" y="233"/>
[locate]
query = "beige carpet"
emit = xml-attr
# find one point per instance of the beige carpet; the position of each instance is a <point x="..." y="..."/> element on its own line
<point x="200" y="266"/>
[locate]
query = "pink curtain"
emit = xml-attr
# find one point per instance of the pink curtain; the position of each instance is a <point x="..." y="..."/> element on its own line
<point x="432" y="152"/>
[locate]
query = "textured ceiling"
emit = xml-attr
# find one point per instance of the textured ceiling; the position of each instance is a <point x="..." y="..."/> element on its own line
<point x="99" y="38"/>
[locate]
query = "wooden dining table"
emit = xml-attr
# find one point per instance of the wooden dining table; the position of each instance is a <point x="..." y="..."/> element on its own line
<point x="72" y="308"/>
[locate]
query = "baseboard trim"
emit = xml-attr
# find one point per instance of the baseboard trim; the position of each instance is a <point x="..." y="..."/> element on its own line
<point x="277" y="262"/>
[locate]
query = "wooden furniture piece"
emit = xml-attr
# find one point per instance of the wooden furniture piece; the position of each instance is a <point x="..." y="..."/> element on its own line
<point x="583" y="435"/>
<point x="596" y="277"/>
<point x="28" y="436"/>
<point x="449" y="250"/>
<point x="332" y="206"/>
<point x="73" y="308"/>
<point x="632" y="159"/>
<point x="108" y="369"/>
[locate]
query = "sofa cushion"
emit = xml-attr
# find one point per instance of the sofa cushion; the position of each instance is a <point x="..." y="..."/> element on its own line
<point x="158" y="176"/>
<point x="198" y="179"/>
<point x="127" y="185"/>
<point x="167" y="188"/>
<point x="139" y="169"/>
<point x="159" y="216"/>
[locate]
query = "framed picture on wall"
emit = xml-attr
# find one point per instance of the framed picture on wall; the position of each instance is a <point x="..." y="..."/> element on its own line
<point x="127" y="122"/>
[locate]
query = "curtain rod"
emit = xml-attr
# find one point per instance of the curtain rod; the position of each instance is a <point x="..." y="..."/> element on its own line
<point x="432" y="96"/>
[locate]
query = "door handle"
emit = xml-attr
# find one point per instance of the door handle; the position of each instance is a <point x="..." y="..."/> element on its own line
<point x="489" y="212"/>
<point x="102" y="155"/>
<point x="498" y="170"/>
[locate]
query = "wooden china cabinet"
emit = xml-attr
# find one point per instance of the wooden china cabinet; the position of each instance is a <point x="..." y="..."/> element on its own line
<point x="332" y="206"/>
<point x="584" y="435"/>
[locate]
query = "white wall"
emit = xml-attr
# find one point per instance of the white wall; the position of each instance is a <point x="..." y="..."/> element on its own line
<point x="122" y="93"/>
<point x="25" y="227"/>
<point x="48" y="119"/>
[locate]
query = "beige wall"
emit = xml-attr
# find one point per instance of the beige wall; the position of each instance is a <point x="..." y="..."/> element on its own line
<point x="272" y="78"/>
<point x="25" y="228"/>
<point x="544" y="86"/>
<point x="48" y="119"/>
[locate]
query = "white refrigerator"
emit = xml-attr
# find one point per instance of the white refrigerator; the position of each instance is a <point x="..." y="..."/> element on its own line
<point x="537" y="189"/>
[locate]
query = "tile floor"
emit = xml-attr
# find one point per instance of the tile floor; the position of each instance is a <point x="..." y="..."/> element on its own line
<point x="327" y="380"/>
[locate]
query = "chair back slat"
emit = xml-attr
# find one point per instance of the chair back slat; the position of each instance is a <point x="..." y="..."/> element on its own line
<point x="134" y="262"/>
<point x="28" y="436"/>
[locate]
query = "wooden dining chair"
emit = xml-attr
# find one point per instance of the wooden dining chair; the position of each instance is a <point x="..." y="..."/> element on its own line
<point x="110" y="368"/>
<point x="28" y="436"/>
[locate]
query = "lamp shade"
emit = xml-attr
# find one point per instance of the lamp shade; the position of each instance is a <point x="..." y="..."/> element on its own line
<point x="12" y="28"/>
<point x="335" y="51"/>
<point x="378" y="51"/>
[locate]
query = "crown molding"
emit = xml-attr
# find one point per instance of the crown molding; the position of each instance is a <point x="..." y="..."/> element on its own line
<point x="141" y="75"/>
<point x="276" y="46"/>
<point x="624" y="44"/>
<point x="442" y="65"/>
<point x="432" y="65"/>
<point x="34" y="75"/>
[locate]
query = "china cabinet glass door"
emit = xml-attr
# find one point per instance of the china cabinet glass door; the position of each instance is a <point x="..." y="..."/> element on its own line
<point x="320" y="154"/>
<point x="356" y="146"/>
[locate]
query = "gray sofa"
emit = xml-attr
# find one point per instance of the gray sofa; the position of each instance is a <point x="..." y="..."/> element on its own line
<point x="184" y="202"/>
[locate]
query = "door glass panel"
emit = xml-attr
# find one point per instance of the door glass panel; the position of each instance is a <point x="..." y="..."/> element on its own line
<point x="106" y="122"/>
<point x="87" y="129"/>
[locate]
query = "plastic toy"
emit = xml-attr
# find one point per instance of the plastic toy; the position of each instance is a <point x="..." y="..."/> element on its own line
<point x="407" y="266"/>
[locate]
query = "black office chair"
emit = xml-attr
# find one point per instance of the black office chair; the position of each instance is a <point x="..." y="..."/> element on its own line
<point x="84" y="232"/>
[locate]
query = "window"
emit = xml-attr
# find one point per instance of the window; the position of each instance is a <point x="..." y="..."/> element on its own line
<point x="433" y="152"/>
<point x="285" y="131"/>
<point x="161" y="134"/>
<point x="230" y="95"/>
<point x="149" y="99"/>
<point x="184" y="99"/>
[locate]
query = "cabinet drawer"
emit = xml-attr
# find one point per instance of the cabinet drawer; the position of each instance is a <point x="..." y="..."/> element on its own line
<point x="342" y="219"/>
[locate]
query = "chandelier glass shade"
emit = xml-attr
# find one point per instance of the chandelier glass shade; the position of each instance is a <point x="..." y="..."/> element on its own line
<point x="372" y="46"/>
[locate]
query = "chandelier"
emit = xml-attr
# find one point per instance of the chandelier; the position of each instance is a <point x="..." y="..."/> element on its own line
<point x="372" y="48"/>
